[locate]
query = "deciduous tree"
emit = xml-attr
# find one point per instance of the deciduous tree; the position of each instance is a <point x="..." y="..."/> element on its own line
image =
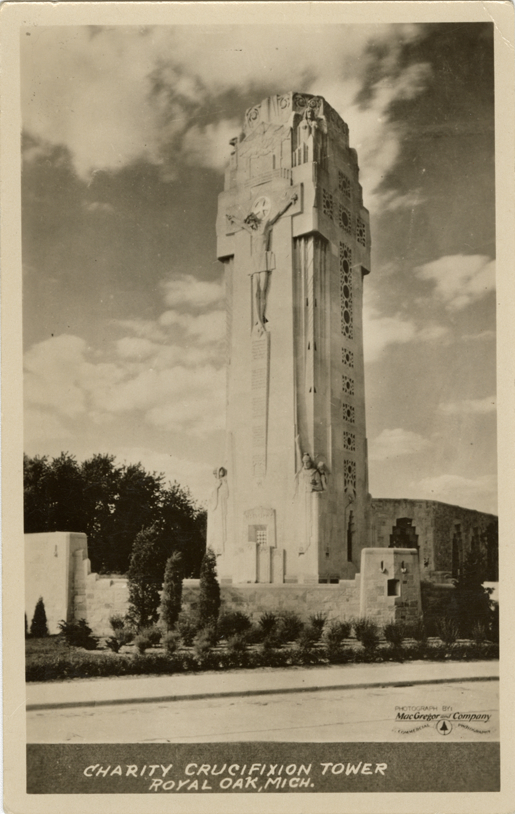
<point x="112" y="504"/>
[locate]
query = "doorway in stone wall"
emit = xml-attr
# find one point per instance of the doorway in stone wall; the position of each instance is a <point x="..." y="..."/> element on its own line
<point x="404" y="534"/>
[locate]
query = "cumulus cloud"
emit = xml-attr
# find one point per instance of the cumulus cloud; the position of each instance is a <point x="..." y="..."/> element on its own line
<point x="381" y="331"/>
<point x="459" y="280"/>
<point x="150" y="379"/>
<point x="135" y="347"/>
<point x="460" y="491"/>
<point x="116" y="95"/>
<point x="186" y="290"/>
<point x="477" y="406"/>
<point x="144" y="328"/>
<point x="394" y="443"/>
<point x="208" y="327"/>
<point x="53" y="372"/>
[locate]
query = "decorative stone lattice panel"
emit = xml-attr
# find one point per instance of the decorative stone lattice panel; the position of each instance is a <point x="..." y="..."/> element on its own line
<point x="348" y="385"/>
<point x="349" y="413"/>
<point x="344" y="183"/>
<point x="349" y="441"/>
<point x="327" y="204"/>
<point x="344" y="218"/>
<point x="349" y="474"/>
<point x="347" y="357"/>
<point x="361" y="232"/>
<point x="346" y="291"/>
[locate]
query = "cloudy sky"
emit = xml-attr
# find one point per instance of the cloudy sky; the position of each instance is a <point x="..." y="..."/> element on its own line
<point x="126" y="133"/>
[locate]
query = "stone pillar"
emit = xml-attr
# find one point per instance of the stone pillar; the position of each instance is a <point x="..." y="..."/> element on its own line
<point x="50" y="569"/>
<point x="390" y="584"/>
<point x="294" y="238"/>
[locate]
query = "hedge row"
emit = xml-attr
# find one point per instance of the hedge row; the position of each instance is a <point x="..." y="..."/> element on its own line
<point x="86" y="665"/>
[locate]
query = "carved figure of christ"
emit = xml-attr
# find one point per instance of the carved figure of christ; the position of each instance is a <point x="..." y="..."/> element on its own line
<point x="260" y="226"/>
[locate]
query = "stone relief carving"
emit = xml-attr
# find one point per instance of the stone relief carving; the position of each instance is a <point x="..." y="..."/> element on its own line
<point x="310" y="481"/>
<point x="259" y="225"/>
<point x="308" y="477"/>
<point x="259" y="513"/>
<point x="263" y="516"/>
<point x="314" y="110"/>
<point x="252" y="116"/>
<point x="217" y="512"/>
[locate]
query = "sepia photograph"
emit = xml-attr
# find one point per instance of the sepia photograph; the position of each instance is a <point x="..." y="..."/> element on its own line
<point x="254" y="283"/>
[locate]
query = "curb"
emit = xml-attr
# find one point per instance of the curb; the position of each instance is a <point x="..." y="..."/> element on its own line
<point x="244" y="693"/>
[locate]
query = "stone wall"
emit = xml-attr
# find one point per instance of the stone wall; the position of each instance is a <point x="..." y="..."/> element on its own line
<point x="390" y="585"/>
<point x="96" y="598"/>
<point x="49" y="566"/>
<point x="436" y="525"/>
<point x="57" y="568"/>
<point x="338" y="601"/>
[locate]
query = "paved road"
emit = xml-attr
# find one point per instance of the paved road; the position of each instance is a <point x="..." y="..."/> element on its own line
<point x="363" y="714"/>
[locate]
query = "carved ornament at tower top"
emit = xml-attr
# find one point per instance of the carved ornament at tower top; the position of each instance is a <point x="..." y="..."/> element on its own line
<point x="282" y="108"/>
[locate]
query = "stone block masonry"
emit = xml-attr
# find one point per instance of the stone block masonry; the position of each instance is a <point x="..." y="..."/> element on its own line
<point x="50" y="573"/>
<point x="390" y="582"/>
<point x="444" y="534"/>
<point x="388" y="588"/>
<point x="338" y="601"/>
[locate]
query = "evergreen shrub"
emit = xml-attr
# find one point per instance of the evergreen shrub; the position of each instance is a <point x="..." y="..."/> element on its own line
<point x="38" y="626"/>
<point x="153" y="633"/>
<point x="125" y="635"/>
<point x="268" y="622"/>
<point x="232" y="623"/>
<point x="113" y="644"/>
<point x="171" y="642"/>
<point x="187" y="626"/>
<point x="78" y="634"/>
<point x="317" y="622"/>
<point x="145" y="577"/>
<point x="394" y="632"/>
<point x="203" y="646"/>
<point x="336" y="632"/>
<point x="171" y="599"/>
<point x="367" y="632"/>
<point x="142" y="642"/>
<point x="117" y="622"/>
<point x="79" y="664"/>
<point x="448" y="629"/>
<point x="290" y="626"/>
<point x="416" y="630"/>
<point x="209" y="590"/>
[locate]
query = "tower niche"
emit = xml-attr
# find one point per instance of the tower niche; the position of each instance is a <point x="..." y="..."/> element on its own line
<point x="294" y="239"/>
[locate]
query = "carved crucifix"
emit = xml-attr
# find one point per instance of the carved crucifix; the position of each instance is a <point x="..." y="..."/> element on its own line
<point x="259" y="225"/>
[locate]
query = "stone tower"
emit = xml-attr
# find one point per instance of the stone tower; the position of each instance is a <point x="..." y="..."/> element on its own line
<point x="289" y="503"/>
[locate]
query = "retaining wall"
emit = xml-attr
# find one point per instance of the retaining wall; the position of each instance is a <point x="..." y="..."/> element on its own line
<point x="58" y="569"/>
